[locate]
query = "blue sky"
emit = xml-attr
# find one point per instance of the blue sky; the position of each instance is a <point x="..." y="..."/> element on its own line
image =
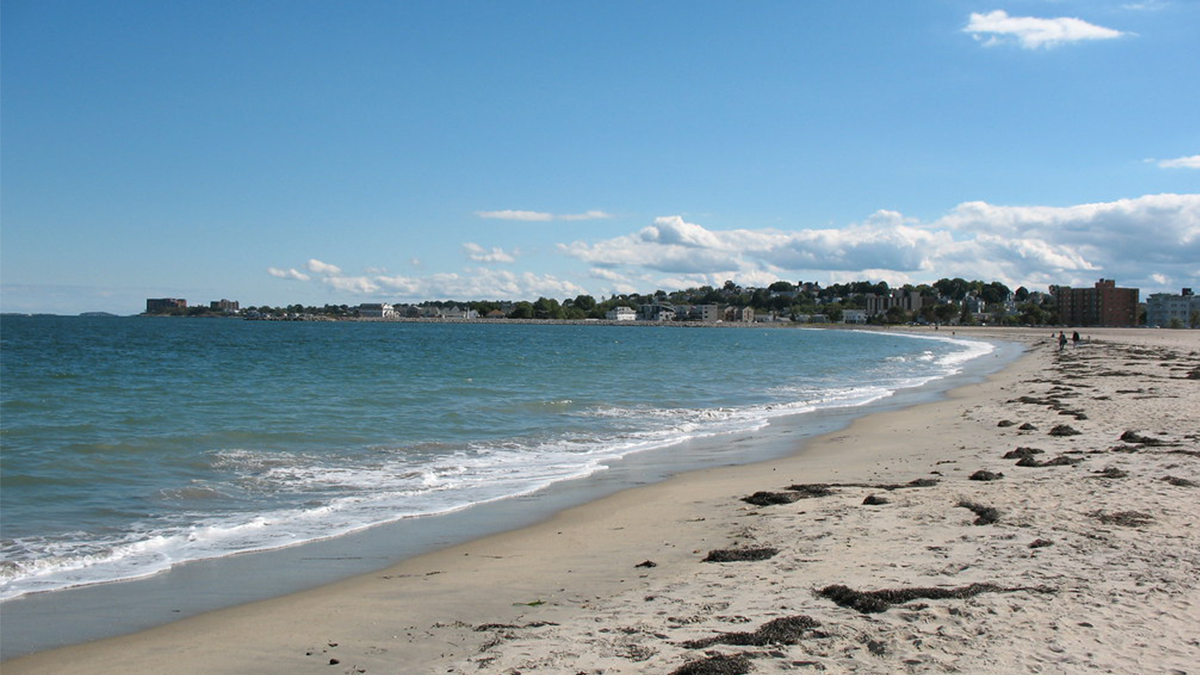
<point x="283" y="151"/>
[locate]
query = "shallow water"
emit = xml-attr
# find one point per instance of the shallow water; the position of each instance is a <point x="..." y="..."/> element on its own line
<point x="133" y="445"/>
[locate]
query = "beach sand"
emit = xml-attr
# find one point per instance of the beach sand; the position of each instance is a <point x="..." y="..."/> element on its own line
<point x="1082" y="557"/>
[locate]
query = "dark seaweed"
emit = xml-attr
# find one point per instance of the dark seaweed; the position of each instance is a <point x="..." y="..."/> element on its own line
<point x="1022" y="453"/>
<point x="808" y="490"/>
<point x="1124" y="518"/>
<point x="736" y="664"/>
<point x="1135" y="437"/>
<point x="740" y="554"/>
<point x="985" y="475"/>
<point x="987" y="515"/>
<point x="873" y="602"/>
<point x="763" y="498"/>
<point x="783" y="631"/>
<point x="1064" y="430"/>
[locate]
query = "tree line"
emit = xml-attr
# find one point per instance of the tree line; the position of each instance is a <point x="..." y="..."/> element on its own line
<point x="945" y="301"/>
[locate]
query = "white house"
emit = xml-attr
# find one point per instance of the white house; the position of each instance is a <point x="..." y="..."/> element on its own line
<point x="376" y="311"/>
<point x="858" y="316"/>
<point x="621" y="314"/>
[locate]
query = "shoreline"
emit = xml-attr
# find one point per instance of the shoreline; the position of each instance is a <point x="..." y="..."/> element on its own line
<point x="47" y="620"/>
<point x="567" y="591"/>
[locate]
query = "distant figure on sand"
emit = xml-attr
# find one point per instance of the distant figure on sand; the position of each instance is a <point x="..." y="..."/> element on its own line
<point x="1075" y="339"/>
<point x="1062" y="340"/>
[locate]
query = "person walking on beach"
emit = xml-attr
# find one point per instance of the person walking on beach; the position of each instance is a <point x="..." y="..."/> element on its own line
<point x="1075" y="339"/>
<point x="1062" y="340"/>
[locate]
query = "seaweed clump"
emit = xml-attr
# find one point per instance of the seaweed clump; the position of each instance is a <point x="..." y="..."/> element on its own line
<point x="1124" y="518"/>
<point x="1022" y="453"/>
<point x="736" y="664"/>
<point x="875" y="500"/>
<point x="740" y="554"/>
<point x="809" y="490"/>
<point x="1180" y="482"/>
<point x="1139" y="439"/>
<point x="874" y="602"/>
<point x="1061" y="460"/>
<point x="763" y="498"/>
<point x="986" y="515"/>
<point x="782" y="631"/>
<point x="1064" y="430"/>
<point x="985" y="475"/>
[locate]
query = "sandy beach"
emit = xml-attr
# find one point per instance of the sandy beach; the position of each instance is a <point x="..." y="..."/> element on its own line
<point x="1042" y="521"/>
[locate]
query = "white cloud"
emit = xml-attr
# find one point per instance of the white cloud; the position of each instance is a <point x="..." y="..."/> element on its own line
<point x="541" y="216"/>
<point x="479" y="254"/>
<point x="290" y="273"/>
<point x="480" y="283"/>
<point x="1032" y="32"/>
<point x="1148" y="6"/>
<point x="587" y="215"/>
<point x="318" y="267"/>
<point x="1192" y="162"/>
<point x="355" y="285"/>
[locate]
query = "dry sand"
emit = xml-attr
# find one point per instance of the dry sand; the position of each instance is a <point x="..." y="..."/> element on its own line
<point x="1086" y="559"/>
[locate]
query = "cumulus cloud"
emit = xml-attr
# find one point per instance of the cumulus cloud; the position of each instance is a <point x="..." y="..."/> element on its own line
<point x="1192" y="162"/>
<point x="541" y="216"/>
<point x="479" y="283"/>
<point x="473" y="283"/>
<point x="317" y="267"/>
<point x="478" y="253"/>
<point x="290" y="273"/>
<point x="1031" y="32"/>
<point x="1021" y="245"/>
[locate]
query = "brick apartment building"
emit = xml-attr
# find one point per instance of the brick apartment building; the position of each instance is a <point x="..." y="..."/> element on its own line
<point x="1102" y="305"/>
<point x="159" y="305"/>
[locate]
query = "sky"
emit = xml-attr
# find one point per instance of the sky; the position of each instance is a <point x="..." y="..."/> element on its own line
<point x="277" y="152"/>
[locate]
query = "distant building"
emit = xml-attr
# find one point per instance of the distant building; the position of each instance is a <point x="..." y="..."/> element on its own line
<point x="457" y="313"/>
<point x="376" y="311"/>
<point x="1162" y="309"/>
<point x="1102" y="305"/>
<point x="708" y="313"/>
<point x="657" y="312"/>
<point x="161" y="305"/>
<point x="855" y="316"/>
<point x="621" y="314"/>
<point x="739" y="314"/>
<point x="909" y="301"/>
<point x="224" y="305"/>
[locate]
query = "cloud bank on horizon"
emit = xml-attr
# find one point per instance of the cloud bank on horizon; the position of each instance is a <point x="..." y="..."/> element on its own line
<point x="1032" y="246"/>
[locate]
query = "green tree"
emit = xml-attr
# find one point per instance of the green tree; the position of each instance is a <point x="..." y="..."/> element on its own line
<point x="547" y="308"/>
<point x="522" y="310"/>
<point x="585" y="303"/>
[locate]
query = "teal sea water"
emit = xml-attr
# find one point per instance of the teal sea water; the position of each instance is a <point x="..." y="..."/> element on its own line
<point x="130" y="445"/>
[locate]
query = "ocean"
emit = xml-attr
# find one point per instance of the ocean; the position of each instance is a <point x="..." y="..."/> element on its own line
<point x="133" y="445"/>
